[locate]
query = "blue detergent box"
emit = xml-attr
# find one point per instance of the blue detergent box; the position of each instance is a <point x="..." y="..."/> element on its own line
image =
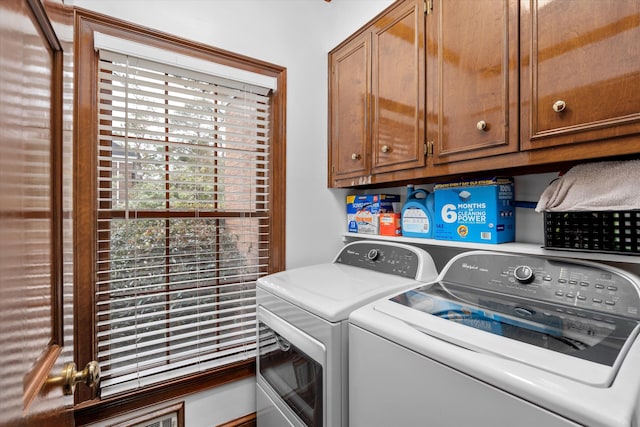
<point x="363" y="211"/>
<point x="479" y="211"/>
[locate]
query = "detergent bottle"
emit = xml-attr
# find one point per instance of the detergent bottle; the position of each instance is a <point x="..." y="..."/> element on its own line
<point x="417" y="213"/>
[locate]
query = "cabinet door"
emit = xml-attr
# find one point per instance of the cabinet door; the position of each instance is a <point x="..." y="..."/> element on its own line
<point x="580" y="71"/>
<point x="472" y="60"/>
<point x="397" y="89"/>
<point x="349" y="109"/>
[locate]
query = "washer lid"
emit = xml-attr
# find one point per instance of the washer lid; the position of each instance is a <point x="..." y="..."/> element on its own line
<point x="565" y="393"/>
<point x="550" y="314"/>
<point x="332" y="291"/>
<point x="584" y="349"/>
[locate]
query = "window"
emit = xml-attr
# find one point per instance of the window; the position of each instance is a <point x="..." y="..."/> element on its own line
<point x="187" y="216"/>
<point x="183" y="196"/>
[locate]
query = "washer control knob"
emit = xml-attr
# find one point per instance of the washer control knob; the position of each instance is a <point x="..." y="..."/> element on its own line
<point x="524" y="274"/>
<point x="372" y="254"/>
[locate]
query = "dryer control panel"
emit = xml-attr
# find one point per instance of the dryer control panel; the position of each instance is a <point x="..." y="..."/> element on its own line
<point x="574" y="284"/>
<point x="392" y="258"/>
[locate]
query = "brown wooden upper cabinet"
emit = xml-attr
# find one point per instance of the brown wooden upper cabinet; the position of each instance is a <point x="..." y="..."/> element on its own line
<point x="495" y="85"/>
<point x="377" y="97"/>
<point x="472" y="79"/>
<point x="350" y="132"/>
<point x="580" y="71"/>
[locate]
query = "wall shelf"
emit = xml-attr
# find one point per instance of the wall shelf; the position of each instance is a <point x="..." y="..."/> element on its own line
<point x="520" y="248"/>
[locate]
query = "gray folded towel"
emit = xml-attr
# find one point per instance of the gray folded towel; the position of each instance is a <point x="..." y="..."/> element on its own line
<point x="602" y="186"/>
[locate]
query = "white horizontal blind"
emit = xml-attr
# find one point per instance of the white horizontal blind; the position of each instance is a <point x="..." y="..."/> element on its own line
<point x="183" y="221"/>
<point x="233" y="77"/>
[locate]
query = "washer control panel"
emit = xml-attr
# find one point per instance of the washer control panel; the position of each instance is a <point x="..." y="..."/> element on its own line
<point x="574" y="284"/>
<point x="383" y="257"/>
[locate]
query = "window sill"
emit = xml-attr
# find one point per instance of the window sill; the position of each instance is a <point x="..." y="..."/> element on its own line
<point x="102" y="409"/>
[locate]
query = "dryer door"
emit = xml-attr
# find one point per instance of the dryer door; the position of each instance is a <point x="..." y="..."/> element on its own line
<point x="291" y="364"/>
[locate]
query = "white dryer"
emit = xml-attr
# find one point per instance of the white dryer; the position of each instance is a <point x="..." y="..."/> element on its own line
<point x="500" y="340"/>
<point x="303" y="328"/>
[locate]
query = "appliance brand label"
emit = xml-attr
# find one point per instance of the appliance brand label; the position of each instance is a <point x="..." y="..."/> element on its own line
<point x="473" y="267"/>
<point x="469" y="266"/>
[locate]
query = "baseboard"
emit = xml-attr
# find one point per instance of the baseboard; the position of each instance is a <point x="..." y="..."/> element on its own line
<point x="246" y="421"/>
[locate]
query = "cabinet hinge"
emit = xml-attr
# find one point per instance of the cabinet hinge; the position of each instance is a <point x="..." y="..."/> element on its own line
<point x="428" y="7"/>
<point x="428" y="148"/>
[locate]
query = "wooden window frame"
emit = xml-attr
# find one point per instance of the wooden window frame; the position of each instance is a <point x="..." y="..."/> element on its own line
<point x="89" y="407"/>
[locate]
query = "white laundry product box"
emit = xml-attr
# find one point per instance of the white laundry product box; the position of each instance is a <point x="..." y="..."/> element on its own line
<point x="479" y="211"/>
<point x="363" y="211"/>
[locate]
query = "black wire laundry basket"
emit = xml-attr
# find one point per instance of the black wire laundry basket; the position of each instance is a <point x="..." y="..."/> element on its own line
<point x="593" y="231"/>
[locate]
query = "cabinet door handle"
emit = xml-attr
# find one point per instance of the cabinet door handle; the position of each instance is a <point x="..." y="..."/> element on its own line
<point x="355" y="156"/>
<point x="559" y="106"/>
<point x="386" y="148"/>
<point x="481" y="125"/>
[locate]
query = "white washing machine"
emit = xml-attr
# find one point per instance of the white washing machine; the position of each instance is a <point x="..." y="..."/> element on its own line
<point x="303" y="328"/>
<point x="500" y="340"/>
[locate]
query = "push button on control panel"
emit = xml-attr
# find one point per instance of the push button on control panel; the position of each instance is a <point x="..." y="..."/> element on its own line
<point x="524" y="312"/>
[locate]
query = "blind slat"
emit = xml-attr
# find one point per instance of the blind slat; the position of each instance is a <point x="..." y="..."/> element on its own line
<point x="208" y="326"/>
<point x="147" y="145"/>
<point x="153" y="364"/>
<point x="127" y="381"/>
<point x="244" y="323"/>
<point x="153" y="358"/>
<point x="157" y="131"/>
<point x="145" y="315"/>
<point x="120" y="108"/>
<point x="157" y="94"/>
<point x="114" y="49"/>
<point x="175" y="292"/>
